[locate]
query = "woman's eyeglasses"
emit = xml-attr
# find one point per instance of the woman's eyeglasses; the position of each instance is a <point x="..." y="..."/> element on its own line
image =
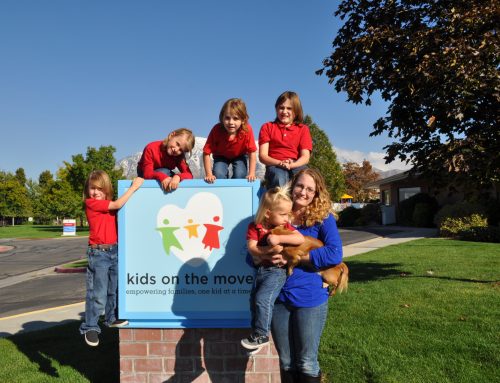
<point x="309" y="191"/>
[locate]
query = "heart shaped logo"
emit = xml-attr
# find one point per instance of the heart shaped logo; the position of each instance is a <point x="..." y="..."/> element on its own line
<point x="193" y="232"/>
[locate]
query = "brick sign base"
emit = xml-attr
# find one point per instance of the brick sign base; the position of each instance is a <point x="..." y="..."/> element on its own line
<point x="193" y="355"/>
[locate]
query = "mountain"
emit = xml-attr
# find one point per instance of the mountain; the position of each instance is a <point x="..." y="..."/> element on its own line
<point x="195" y="162"/>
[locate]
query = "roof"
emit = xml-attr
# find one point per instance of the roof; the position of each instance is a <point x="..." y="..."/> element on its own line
<point x="396" y="177"/>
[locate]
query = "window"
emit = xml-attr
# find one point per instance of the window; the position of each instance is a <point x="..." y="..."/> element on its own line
<point x="386" y="197"/>
<point x="405" y="193"/>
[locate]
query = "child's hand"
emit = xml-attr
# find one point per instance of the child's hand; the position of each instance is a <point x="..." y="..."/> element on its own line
<point x="210" y="179"/>
<point x="273" y="239"/>
<point x="137" y="182"/>
<point x="165" y="183"/>
<point x="174" y="182"/>
<point x="251" y="177"/>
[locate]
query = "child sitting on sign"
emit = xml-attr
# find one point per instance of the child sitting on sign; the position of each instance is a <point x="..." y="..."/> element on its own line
<point x="160" y="158"/>
<point x="231" y="143"/>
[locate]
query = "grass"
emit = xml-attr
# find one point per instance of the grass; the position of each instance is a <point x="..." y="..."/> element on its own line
<point x="76" y="264"/>
<point x="424" y="311"/>
<point x="37" y="231"/>
<point x="59" y="354"/>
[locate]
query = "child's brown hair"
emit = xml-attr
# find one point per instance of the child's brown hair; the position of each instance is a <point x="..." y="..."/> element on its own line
<point x="101" y="180"/>
<point x="235" y="106"/>
<point x="296" y="105"/>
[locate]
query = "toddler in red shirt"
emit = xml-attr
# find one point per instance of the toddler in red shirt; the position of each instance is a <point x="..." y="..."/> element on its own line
<point x="231" y="142"/>
<point x="274" y="210"/>
<point x="285" y="144"/>
<point x="102" y="253"/>
<point x="160" y="158"/>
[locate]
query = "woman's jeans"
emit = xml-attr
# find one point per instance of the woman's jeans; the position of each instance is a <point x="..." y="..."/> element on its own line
<point x="296" y="334"/>
<point x="268" y="283"/>
<point x="102" y="288"/>
<point x="277" y="176"/>
<point x="221" y="167"/>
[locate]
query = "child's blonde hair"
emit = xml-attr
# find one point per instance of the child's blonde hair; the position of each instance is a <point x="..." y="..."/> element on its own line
<point x="101" y="180"/>
<point x="269" y="201"/>
<point x="235" y="106"/>
<point x="190" y="140"/>
<point x="296" y="105"/>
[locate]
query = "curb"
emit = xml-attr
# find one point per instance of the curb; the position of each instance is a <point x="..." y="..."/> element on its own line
<point x="61" y="269"/>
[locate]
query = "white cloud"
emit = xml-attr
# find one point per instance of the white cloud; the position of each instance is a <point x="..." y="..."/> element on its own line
<point x="375" y="158"/>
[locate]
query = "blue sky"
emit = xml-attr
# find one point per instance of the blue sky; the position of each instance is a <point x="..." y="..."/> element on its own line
<point x="75" y="74"/>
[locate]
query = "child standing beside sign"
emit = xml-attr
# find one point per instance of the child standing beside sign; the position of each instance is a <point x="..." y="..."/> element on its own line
<point x="274" y="210"/>
<point x="231" y="142"/>
<point x="285" y="144"/>
<point x="102" y="253"/>
<point x="160" y="158"/>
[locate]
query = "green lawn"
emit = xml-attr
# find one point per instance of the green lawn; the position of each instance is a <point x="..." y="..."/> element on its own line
<point x="37" y="231"/>
<point x="424" y="311"/>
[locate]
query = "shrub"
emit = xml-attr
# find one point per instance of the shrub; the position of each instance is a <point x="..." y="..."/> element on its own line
<point x="454" y="227"/>
<point x="458" y="210"/>
<point x="407" y="207"/>
<point x="370" y="214"/>
<point x="423" y="214"/>
<point x="481" y="234"/>
<point x="493" y="212"/>
<point x="348" y="216"/>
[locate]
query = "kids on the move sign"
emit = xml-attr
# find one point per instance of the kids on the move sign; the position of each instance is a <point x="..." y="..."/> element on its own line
<point x="182" y="254"/>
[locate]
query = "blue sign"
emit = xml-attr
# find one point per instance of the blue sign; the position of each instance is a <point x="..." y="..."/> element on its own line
<point x="182" y="254"/>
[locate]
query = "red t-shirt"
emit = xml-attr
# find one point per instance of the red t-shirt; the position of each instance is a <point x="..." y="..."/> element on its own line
<point x="285" y="142"/>
<point x="218" y="143"/>
<point x="154" y="157"/>
<point x="259" y="233"/>
<point x="102" y="222"/>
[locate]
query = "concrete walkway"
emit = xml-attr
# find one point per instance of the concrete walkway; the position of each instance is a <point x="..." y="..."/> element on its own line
<point x="40" y="319"/>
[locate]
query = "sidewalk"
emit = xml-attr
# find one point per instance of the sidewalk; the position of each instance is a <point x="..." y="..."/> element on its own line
<point x="41" y="319"/>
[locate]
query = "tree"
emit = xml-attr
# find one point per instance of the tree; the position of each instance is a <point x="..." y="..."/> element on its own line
<point x="324" y="159"/>
<point x="356" y="177"/>
<point x="21" y="176"/>
<point x="14" y="200"/>
<point x="436" y="64"/>
<point x="103" y="158"/>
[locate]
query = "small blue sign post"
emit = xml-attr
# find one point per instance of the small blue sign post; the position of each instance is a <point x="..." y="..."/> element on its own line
<point x="182" y="254"/>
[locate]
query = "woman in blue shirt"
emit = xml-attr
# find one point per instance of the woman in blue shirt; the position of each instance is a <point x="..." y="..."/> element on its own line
<point x="301" y="309"/>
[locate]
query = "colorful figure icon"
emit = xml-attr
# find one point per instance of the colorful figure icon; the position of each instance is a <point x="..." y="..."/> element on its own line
<point x="211" y="239"/>
<point x="169" y="239"/>
<point x="192" y="229"/>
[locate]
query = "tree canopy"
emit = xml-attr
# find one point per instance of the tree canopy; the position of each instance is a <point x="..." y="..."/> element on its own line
<point x="436" y="64"/>
<point x="356" y="177"/>
<point x="324" y="159"/>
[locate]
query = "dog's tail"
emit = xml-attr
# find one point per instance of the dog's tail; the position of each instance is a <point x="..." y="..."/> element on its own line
<point x="342" y="281"/>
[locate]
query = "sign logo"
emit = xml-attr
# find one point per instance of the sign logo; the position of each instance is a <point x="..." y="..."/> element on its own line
<point x="193" y="232"/>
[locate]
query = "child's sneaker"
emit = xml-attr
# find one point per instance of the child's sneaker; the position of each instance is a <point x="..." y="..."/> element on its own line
<point x="119" y="323"/>
<point x="255" y="341"/>
<point x="92" y="338"/>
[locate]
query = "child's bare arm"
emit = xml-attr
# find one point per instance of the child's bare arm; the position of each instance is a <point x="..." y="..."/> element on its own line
<point x="136" y="184"/>
<point x="207" y="164"/>
<point x="305" y="155"/>
<point x="294" y="238"/>
<point x="264" y="156"/>
<point x="252" y="163"/>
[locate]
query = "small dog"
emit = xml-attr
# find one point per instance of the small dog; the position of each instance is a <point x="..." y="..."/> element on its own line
<point x="336" y="277"/>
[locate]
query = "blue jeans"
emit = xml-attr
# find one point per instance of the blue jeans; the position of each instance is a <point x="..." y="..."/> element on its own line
<point x="296" y="334"/>
<point x="166" y="171"/>
<point x="102" y="288"/>
<point x="268" y="283"/>
<point x="277" y="176"/>
<point x="221" y="167"/>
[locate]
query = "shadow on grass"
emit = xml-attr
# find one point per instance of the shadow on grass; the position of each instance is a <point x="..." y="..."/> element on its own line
<point x="59" y="229"/>
<point x="65" y="345"/>
<point x="372" y="271"/>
